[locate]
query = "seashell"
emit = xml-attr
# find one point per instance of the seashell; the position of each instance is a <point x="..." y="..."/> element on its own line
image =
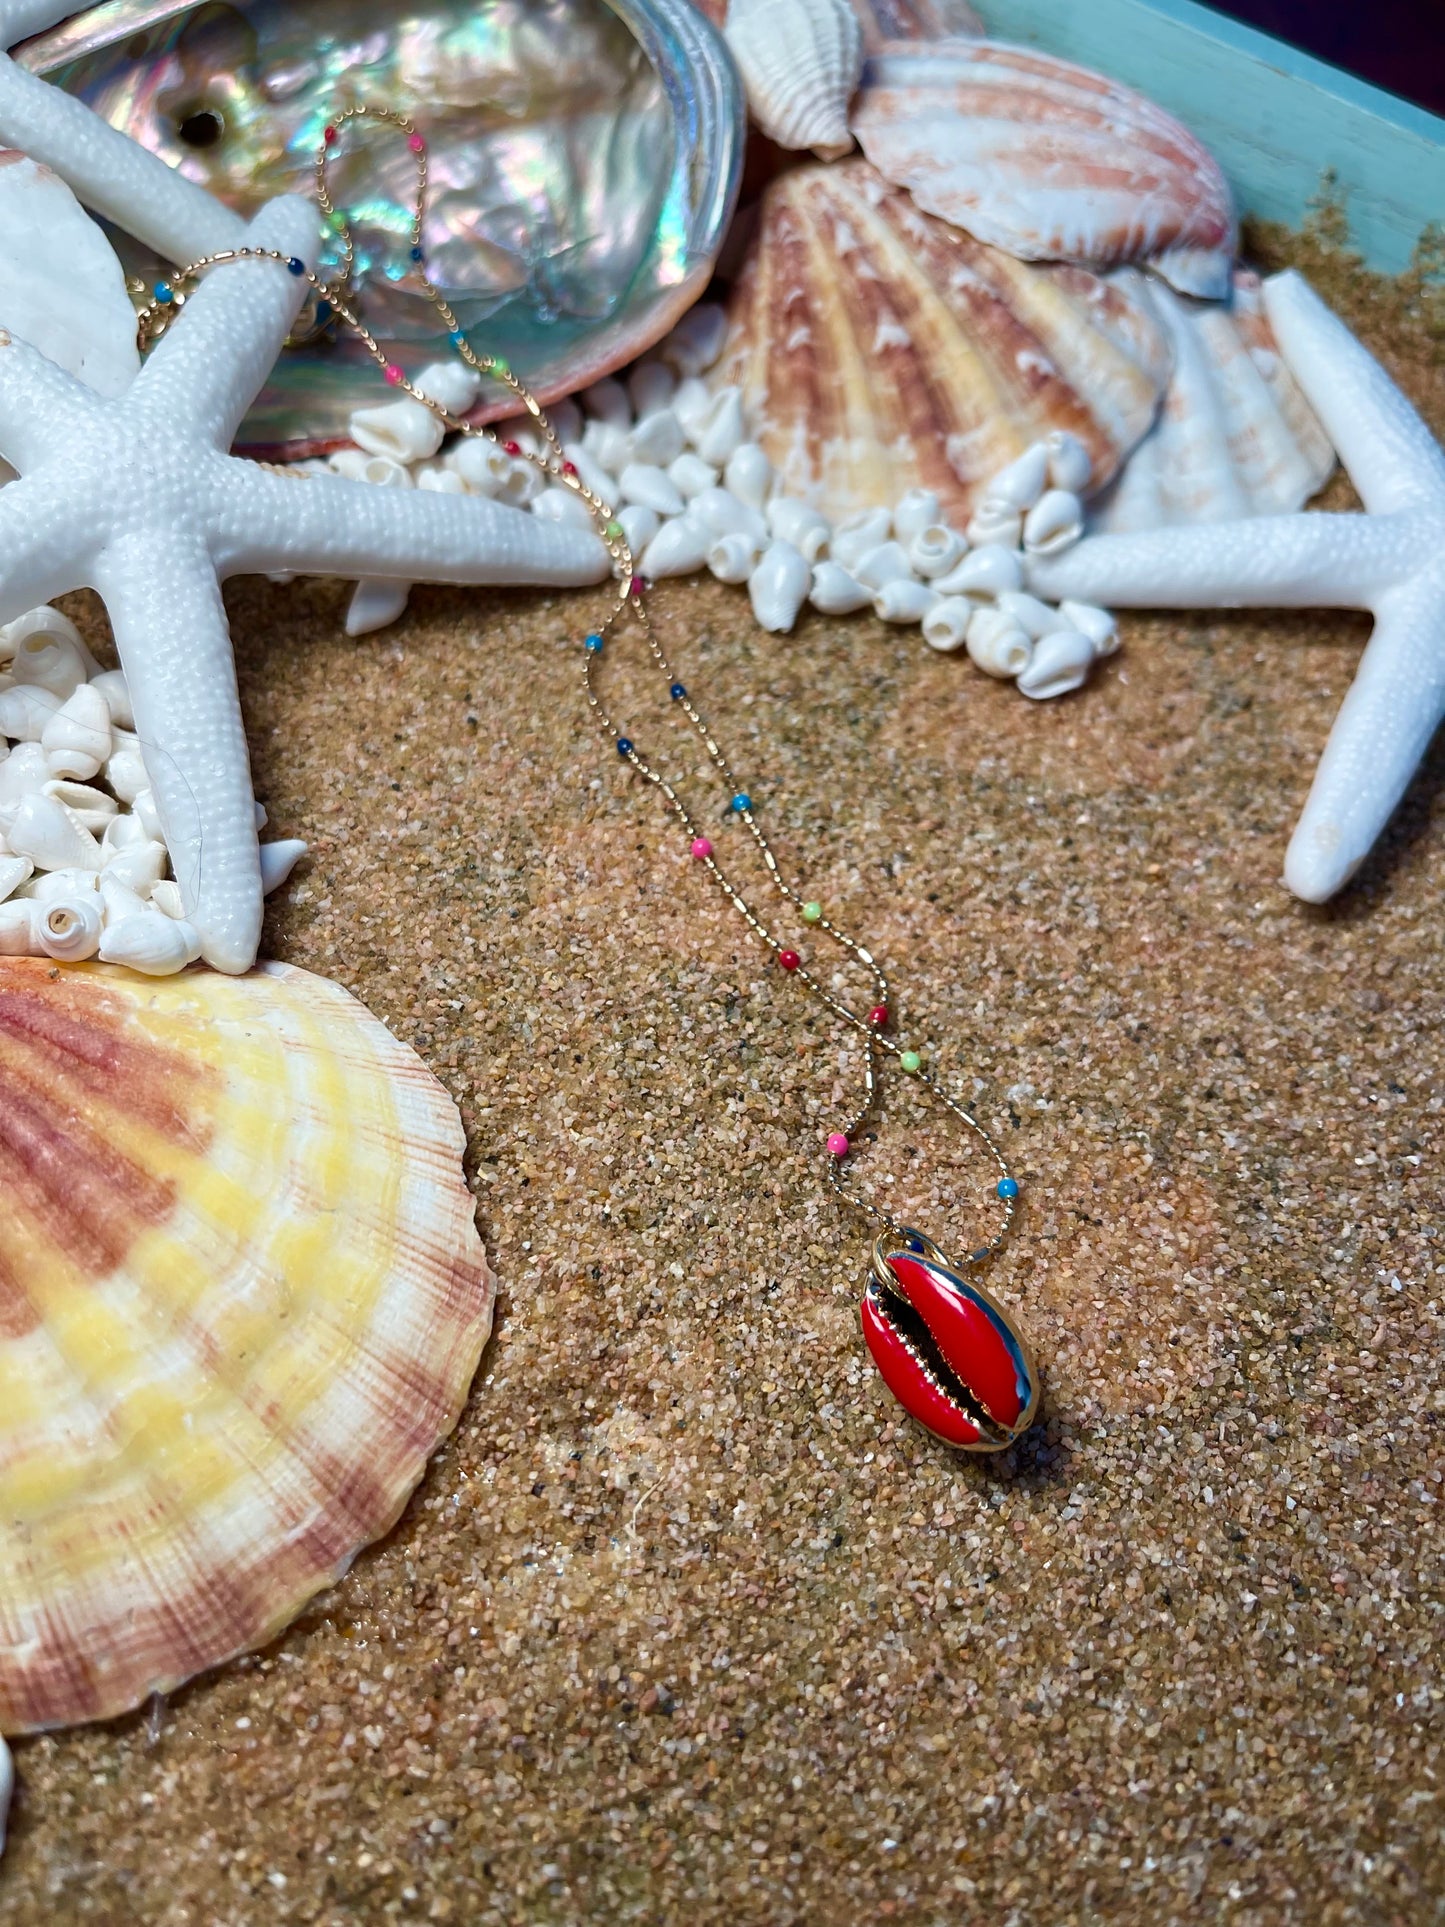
<point x="453" y="384"/>
<point x="69" y="928"/>
<point x="44" y="647"/>
<point x="77" y="739"/>
<point x="914" y="511"/>
<point x="778" y="586"/>
<point x="719" y="431"/>
<point x="14" y="870"/>
<point x="375" y="602"/>
<point x="657" y="439"/>
<point x="1052" y="162"/>
<point x="997" y="642"/>
<point x="148" y="816"/>
<point x="901" y="599"/>
<point x="856" y="534"/>
<point x="151" y="942"/>
<point x="639" y="524"/>
<point x="695" y="343"/>
<point x="590" y="473"/>
<point x="17" y="928"/>
<point x="481" y="464"/>
<point x="50" y="836"/>
<point x="690" y="474"/>
<point x="945" y="625"/>
<point x="112" y="685"/>
<point x="887" y="20"/>
<point x="348" y="463"/>
<point x="89" y="806"/>
<point x="1019" y="486"/>
<point x="608" y="401"/>
<point x="1235" y="437"/>
<point x="384" y="471"/>
<point x="566" y="418"/>
<point x="1060" y="662"/>
<point x="934" y="550"/>
<point x="126" y="772"/>
<point x="262" y="1146"/>
<point x="610" y="447"/>
<point x="1069" y="465"/>
<point x="679" y="548"/>
<point x="562" y="506"/>
<point x="880" y="351"/>
<point x="650" y="487"/>
<point x="722" y="513"/>
<point x="583" y="170"/>
<point x="1054" y="522"/>
<point x="835" y="592"/>
<point x="278" y="860"/>
<point x="799" y="524"/>
<point x="995" y="525"/>
<point x="118" y="900"/>
<point x="884" y="562"/>
<point x="1035" y="617"/>
<point x="406" y="430"/>
<point x="749" y="474"/>
<point x="166" y="897"/>
<point x="1101" y="626"/>
<point x="49" y="886"/>
<point x="25" y="709"/>
<point x="438" y="478"/>
<point x="139" y="866"/>
<point x="694" y="397"/>
<point x="23" y="770"/>
<point x="651" y="385"/>
<point x="800" y="61"/>
<point x="734" y="556"/>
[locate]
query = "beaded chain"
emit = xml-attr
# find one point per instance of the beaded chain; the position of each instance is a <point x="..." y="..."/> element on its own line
<point x="334" y="299"/>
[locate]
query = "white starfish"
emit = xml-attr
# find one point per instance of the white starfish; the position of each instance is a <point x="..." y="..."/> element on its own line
<point x="1390" y="560"/>
<point x="138" y="498"/>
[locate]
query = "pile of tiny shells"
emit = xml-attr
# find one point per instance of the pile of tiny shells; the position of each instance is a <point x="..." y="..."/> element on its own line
<point x="84" y="870"/>
<point x="693" y="492"/>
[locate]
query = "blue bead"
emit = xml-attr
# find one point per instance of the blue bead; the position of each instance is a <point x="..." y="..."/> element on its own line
<point x="624" y="746"/>
<point x="593" y="645"/>
<point x="162" y="292"/>
<point x="742" y="801"/>
<point x="1008" y="1187"/>
<point x="295" y="265"/>
<point x="678" y="692"/>
<point x="323" y="311"/>
<point x="416" y="254"/>
<point x="456" y="337"/>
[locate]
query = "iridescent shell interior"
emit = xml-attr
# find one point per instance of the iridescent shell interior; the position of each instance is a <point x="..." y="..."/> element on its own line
<point x="584" y="162"/>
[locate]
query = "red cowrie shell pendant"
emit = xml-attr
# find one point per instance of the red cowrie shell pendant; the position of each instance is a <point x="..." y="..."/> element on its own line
<point x="948" y="1353"/>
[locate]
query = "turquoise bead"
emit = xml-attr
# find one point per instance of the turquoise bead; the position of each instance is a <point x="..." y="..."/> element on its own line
<point x="1008" y="1187"/>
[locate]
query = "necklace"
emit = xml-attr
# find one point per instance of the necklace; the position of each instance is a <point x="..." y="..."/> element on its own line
<point x="945" y="1348"/>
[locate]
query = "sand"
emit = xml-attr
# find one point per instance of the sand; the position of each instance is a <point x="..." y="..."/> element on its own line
<point x="686" y="1622"/>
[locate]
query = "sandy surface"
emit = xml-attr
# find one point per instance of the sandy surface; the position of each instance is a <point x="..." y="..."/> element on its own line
<point x="686" y="1622"/>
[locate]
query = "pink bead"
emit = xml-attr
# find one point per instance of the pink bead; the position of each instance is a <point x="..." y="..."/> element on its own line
<point x="837" y="1145"/>
<point x="392" y="373"/>
<point x="701" y="847"/>
<point x="415" y="143"/>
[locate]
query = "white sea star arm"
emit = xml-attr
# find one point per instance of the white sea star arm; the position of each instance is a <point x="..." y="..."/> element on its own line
<point x="38" y="556"/>
<point x="37" y="400"/>
<point x="160" y="589"/>
<point x="322" y="525"/>
<point x="236" y="323"/>
<point x="110" y="173"/>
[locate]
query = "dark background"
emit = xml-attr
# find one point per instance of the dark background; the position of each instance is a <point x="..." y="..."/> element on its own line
<point x="1397" y="44"/>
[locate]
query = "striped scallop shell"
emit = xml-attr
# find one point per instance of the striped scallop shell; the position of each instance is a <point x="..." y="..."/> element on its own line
<point x="1235" y="436"/>
<point x="799" y="61"/>
<point x="241" y="1299"/>
<point x="1046" y="159"/>
<point x="879" y="350"/>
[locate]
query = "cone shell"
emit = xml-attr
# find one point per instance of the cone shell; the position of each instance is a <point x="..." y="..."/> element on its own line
<point x="800" y="61"/>
<point x="1235" y="436"/>
<point x="879" y="350"/>
<point x="241" y="1299"/>
<point x="1046" y="159"/>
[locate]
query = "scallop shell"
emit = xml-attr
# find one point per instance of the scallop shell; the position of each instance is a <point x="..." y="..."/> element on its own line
<point x="1235" y="437"/>
<point x="241" y="1299"/>
<point x="888" y="20"/>
<point x="61" y="286"/>
<point x="800" y="61"/>
<point x="584" y="160"/>
<point x="879" y="350"/>
<point x="1046" y="159"/>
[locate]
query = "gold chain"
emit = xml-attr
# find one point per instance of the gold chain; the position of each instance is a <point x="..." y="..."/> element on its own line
<point x="334" y="297"/>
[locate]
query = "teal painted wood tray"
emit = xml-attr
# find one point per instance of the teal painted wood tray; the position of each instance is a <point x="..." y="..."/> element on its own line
<point x="1279" y="120"/>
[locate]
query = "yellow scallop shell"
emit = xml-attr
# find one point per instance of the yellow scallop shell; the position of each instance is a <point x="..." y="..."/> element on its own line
<point x="242" y="1297"/>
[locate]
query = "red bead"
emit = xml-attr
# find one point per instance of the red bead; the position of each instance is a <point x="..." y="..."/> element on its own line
<point x="511" y="448"/>
<point x="415" y="143"/>
<point x="789" y="959"/>
<point x="569" y="468"/>
<point x="329" y="137"/>
<point x="878" y="1016"/>
<point x="639" y="586"/>
<point x="393" y="374"/>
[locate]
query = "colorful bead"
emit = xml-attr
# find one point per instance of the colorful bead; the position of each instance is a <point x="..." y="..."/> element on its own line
<point x="640" y="586"/>
<point x="1008" y="1187"/>
<point x="416" y="143"/>
<point x="742" y="801"/>
<point x="569" y="468"/>
<point x="789" y="959"/>
<point x="624" y="746"/>
<point x="615" y="529"/>
<point x="295" y="265"/>
<point x="878" y="1016"/>
<point x="701" y="847"/>
<point x="163" y="292"/>
<point x="910" y="1061"/>
<point x="498" y="366"/>
<point x="593" y="644"/>
<point x="456" y="338"/>
<point x="329" y="137"/>
<point x="393" y="374"/>
<point x="838" y="1145"/>
<point x="812" y="913"/>
<point x="511" y="448"/>
<point x="677" y="692"/>
<point x="417" y="251"/>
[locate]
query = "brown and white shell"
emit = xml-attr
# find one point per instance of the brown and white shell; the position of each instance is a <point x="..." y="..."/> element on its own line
<point x="878" y="349"/>
<point x="242" y="1297"/>
<point x="1235" y="436"/>
<point x="1044" y="158"/>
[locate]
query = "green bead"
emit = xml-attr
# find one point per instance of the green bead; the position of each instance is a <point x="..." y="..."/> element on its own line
<point x="812" y="913"/>
<point x="910" y="1060"/>
<point x="614" y="528"/>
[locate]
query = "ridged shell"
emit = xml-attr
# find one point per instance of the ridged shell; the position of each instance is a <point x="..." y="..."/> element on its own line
<point x="61" y="286"/>
<point x="879" y="350"/>
<point x="584" y="165"/>
<point x="888" y="20"/>
<point x="1235" y="436"/>
<point x="241" y="1299"/>
<point x="800" y="61"/>
<point x="1046" y="159"/>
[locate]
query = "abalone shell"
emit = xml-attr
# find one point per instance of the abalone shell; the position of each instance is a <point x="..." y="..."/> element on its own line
<point x="584" y="162"/>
